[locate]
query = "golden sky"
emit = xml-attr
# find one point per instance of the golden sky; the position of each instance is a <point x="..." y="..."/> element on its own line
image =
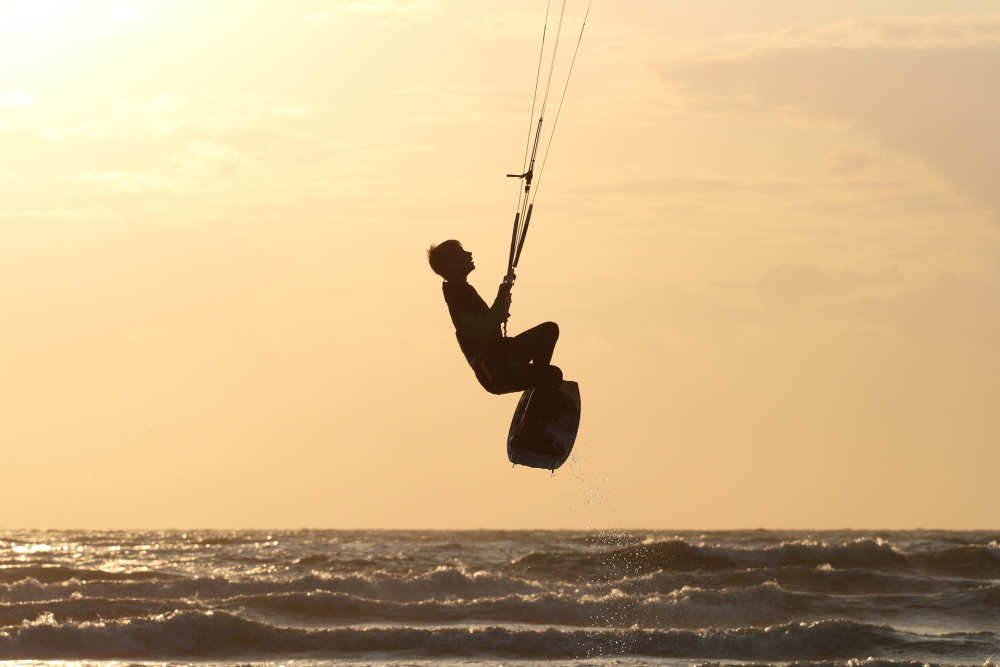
<point x="770" y="233"/>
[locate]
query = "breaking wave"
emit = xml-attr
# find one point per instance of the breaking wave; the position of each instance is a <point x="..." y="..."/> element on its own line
<point x="680" y="556"/>
<point x="747" y="596"/>
<point x="206" y="635"/>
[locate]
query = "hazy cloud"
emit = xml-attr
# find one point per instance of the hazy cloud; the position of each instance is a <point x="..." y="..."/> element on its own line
<point x="925" y="88"/>
<point x="168" y="102"/>
<point x="18" y="98"/>
<point x="845" y="196"/>
<point x="156" y="116"/>
<point x="173" y="113"/>
<point x="714" y="186"/>
<point x="127" y="182"/>
<point x="951" y="310"/>
<point x="849" y="163"/>
<point x="953" y="319"/>
<point x="293" y="111"/>
<point x="215" y="153"/>
<point x="369" y="7"/>
<point x="887" y="204"/>
<point x="916" y="32"/>
<point x="797" y="284"/>
<point x="410" y="8"/>
<point x="468" y="98"/>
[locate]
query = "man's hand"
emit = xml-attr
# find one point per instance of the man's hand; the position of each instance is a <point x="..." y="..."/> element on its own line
<point x="503" y="296"/>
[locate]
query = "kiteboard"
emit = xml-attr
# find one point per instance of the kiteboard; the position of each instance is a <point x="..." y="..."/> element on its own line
<point x="544" y="427"/>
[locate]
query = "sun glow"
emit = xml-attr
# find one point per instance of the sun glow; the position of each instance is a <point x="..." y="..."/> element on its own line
<point x="44" y="32"/>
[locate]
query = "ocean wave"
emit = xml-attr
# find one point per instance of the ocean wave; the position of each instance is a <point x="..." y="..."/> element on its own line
<point x="341" y="564"/>
<point x="88" y="609"/>
<point x="313" y="560"/>
<point x="233" y="539"/>
<point x="964" y="561"/>
<point x="440" y="583"/>
<point x="683" y="608"/>
<point x="980" y="561"/>
<point x="536" y="609"/>
<point x="866" y="662"/>
<point x="225" y="636"/>
<point x="687" y="607"/>
<point x="802" y="578"/>
<point x="53" y="574"/>
<point x="444" y="594"/>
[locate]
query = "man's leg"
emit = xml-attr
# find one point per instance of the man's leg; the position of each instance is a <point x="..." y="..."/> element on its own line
<point x="534" y="345"/>
<point x="509" y="377"/>
<point x="525" y="360"/>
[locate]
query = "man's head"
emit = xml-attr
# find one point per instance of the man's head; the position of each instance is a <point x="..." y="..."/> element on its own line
<point x="450" y="260"/>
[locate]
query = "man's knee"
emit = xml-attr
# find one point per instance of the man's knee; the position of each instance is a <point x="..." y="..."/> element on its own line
<point x="551" y="330"/>
<point x="551" y="377"/>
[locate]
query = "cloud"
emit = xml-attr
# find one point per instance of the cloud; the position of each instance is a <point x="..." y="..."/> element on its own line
<point x="369" y="7"/>
<point x="800" y="284"/>
<point x="714" y="186"/>
<point x="467" y="98"/>
<point x="845" y="196"/>
<point x="172" y="113"/>
<point x="960" y="312"/>
<point x="851" y="162"/>
<point x="320" y="18"/>
<point x="168" y="102"/>
<point x="127" y="182"/>
<point x="216" y="153"/>
<point x="293" y="111"/>
<point x="47" y="214"/>
<point x="891" y="204"/>
<point x="18" y="98"/>
<point x="155" y="117"/>
<point x="408" y="8"/>
<point x="909" y="33"/>
<point x="925" y="88"/>
<point x="950" y="319"/>
<point x="158" y="116"/>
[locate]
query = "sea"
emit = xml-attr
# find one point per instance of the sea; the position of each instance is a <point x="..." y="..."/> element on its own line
<point x="635" y="597"/>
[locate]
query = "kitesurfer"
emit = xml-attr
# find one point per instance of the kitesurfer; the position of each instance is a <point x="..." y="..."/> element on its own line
<point x="501" y="364"/>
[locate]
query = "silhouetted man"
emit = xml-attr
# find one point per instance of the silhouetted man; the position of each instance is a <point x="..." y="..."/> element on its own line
<point x="502" y="365"/>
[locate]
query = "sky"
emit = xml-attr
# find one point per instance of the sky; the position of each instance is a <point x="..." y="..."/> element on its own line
<point x="770" y="234"/>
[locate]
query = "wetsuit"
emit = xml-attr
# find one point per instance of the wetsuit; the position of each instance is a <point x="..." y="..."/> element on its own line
<point x="502" y="365"/>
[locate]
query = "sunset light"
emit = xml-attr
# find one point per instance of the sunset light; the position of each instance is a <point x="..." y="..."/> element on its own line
<point x="41" y="32"/>
<point x="287" y="377"/>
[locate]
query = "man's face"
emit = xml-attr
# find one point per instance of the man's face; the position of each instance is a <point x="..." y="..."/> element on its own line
<point x="462" y="260"/>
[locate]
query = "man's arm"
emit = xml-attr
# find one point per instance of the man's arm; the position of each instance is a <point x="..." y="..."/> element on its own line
<point x="500" y="310"/>
<point x="483" y="325"/>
